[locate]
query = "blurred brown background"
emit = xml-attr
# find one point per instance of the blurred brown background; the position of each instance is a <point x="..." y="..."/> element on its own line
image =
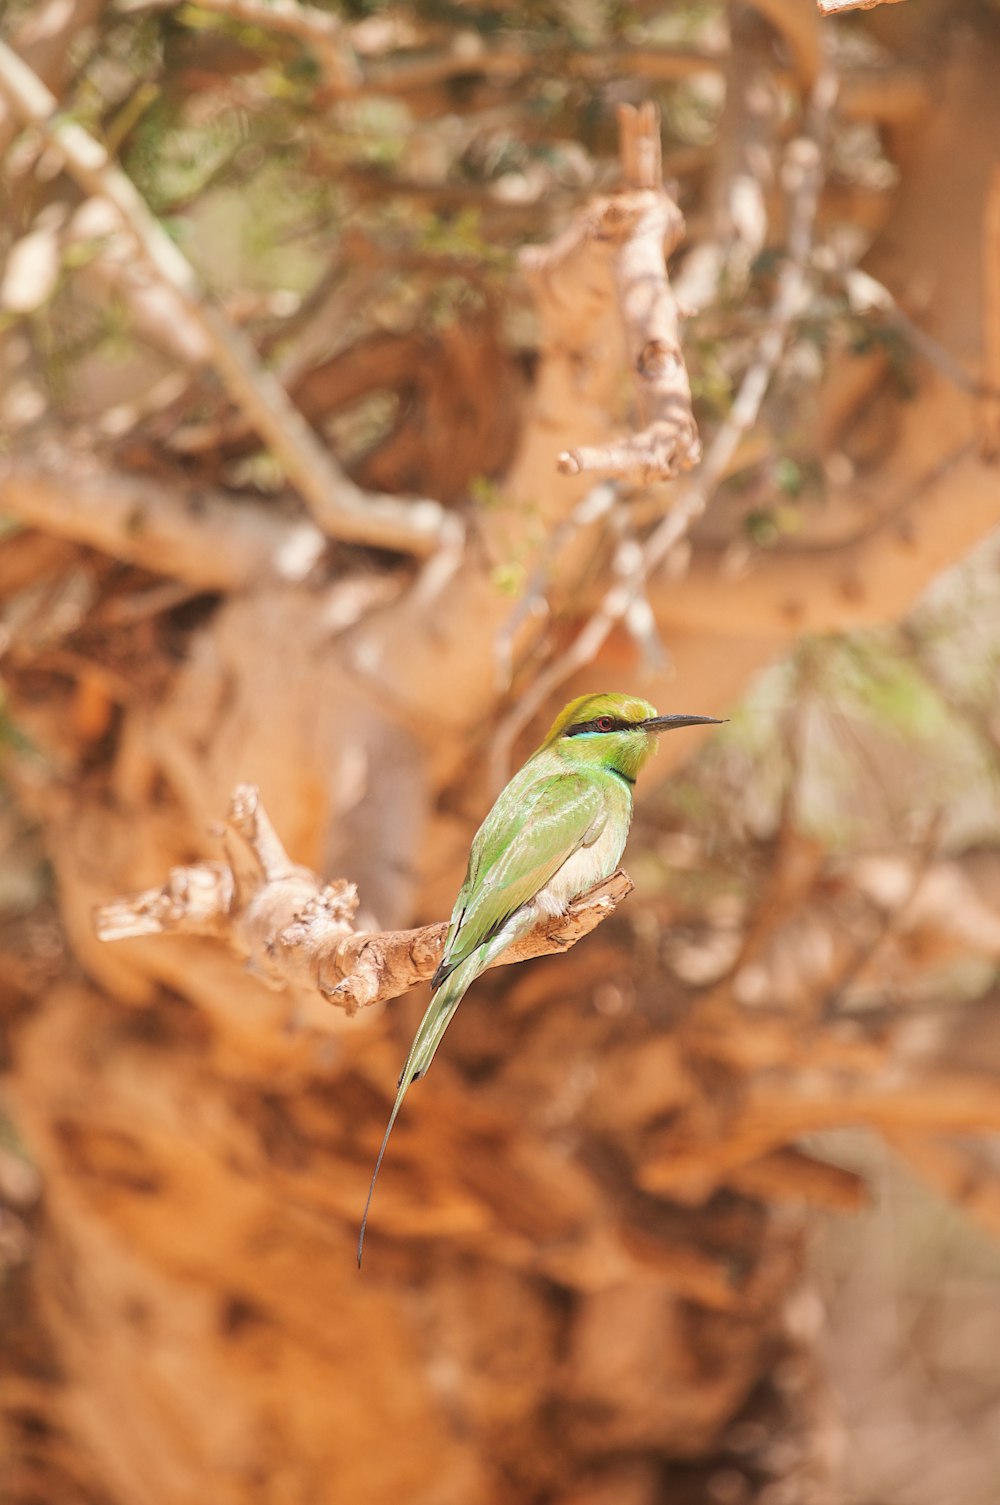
<point x="299" y="307"/>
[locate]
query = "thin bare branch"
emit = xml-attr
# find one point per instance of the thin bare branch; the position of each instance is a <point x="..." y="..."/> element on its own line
<point x="340" y="508"/>
<point x="471" y="57"/>
<point x="322" y="32"/>
<point x="871" y="92"/>
<point x="838" y="7"/>
<point x="744" y="162"/>
<point x="893" y="918"/>
<point x="869" y="296"/>
<point x="45" y="41"/>
<point x="639" y="147"/>
<point x="296" y="931"/>
<point x="591" y="508"/>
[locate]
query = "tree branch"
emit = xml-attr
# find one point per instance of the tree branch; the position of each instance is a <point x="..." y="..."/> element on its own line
<point x="48" y="42"/>
<point x="510" y="63"/>
<point x="909" y="542"/>
<point x="791" y="1105"/>
<point x="320" y="31"/>
<point x="200" y="537"/>
<point x="296" y="931"/>
<point x="838" y="7"/>
<point x="340" y="508"/>
<point x="644" y="225"/>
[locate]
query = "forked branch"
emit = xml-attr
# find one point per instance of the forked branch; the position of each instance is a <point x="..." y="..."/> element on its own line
<point x="297" y="931"/>
<point x="628" y="234"/>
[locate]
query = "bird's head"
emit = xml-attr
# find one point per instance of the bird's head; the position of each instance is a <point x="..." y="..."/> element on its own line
<point x="614" y="731"/>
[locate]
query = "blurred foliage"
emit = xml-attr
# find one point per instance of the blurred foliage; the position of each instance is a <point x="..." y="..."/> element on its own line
<point x="217" y="123"/>
<point x="872" y="739"/>
<point x="919" y="1396"/>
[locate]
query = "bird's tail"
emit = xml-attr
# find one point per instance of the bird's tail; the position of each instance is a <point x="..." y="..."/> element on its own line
<point x="436" y="1020"/>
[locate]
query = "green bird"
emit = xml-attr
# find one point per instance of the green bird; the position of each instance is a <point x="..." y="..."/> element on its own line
<point x="557" y="828"/>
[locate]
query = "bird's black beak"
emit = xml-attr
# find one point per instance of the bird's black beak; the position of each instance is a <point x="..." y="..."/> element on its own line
<point x="671" y="723"/>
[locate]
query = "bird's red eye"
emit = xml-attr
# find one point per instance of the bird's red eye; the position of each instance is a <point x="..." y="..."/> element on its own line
<point x="605" y="723"/>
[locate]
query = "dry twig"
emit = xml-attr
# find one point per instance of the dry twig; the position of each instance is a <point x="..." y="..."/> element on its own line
<point x="869" y="296"/>
<point x="643" y="224"/>
<point x="871" y="92"/>
<point x="296" y="931"/>
<point x="838" y="7"/>
<point x="508" y="63"/>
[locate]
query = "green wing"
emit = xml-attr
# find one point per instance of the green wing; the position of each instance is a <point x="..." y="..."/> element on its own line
<point x="536" y="824"/>
<point x="530" y="832"/>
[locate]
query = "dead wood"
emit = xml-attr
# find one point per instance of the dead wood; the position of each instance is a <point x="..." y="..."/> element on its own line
<point x="588" y="1282"/>
<point x="296" y="930"/>
<point x="637" y="229"/>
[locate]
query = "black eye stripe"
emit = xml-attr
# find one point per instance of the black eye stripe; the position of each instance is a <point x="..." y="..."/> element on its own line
<point x="617" y="725"/>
